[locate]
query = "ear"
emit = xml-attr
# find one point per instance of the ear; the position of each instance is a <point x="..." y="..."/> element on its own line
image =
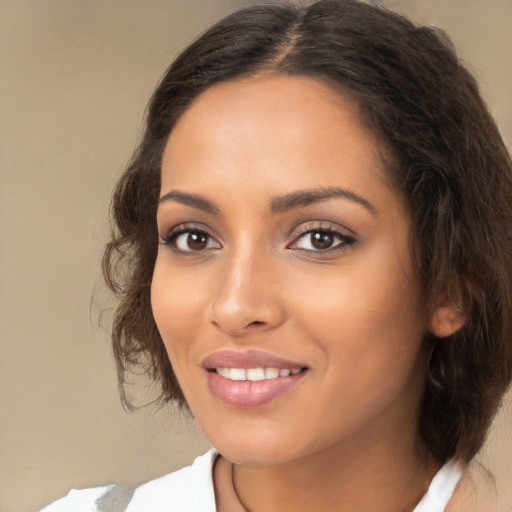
<point x="446" y="319"/>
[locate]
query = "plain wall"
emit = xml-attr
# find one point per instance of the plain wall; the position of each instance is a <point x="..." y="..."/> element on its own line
<point x="75" y="77"/>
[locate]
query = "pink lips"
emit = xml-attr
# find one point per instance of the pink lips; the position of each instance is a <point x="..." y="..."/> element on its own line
<point x="247" y="393"/>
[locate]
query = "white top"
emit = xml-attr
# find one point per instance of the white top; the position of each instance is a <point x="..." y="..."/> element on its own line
<point x="191" y="490"/>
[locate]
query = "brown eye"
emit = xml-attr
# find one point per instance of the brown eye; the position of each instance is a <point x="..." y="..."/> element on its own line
<point x="322" y="240"/>
<point x="197" y="241"/>
<point x="191" y="240"/>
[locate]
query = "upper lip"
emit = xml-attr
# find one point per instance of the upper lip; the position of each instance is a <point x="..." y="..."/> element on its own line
<point x="248" y="359"/>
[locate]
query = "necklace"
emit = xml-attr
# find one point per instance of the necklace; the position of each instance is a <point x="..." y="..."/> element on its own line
<point x="235" y="490"/>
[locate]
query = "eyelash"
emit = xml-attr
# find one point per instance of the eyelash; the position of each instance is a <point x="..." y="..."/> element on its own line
<point x="171" y="238"/>
<point x="343" y="240"/>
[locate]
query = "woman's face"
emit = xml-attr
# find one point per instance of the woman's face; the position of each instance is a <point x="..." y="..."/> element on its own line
<point x="283" y="288"/>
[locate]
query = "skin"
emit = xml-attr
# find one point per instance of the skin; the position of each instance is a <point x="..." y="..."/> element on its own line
<point x="353" y="313"/>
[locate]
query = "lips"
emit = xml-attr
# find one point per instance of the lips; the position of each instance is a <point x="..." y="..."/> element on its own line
<point x="251" y="378"/>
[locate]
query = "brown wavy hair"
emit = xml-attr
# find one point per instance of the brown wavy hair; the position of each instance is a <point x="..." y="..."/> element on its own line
<point x="443" y="151"/>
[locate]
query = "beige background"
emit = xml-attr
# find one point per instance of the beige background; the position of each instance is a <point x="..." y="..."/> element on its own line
<point x="75" y="78"/>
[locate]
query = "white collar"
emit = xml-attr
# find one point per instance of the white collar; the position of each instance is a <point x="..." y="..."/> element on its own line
<point x="441" y="489"/>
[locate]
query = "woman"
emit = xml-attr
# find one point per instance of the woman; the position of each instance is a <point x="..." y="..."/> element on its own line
<point x="312" y="252"/>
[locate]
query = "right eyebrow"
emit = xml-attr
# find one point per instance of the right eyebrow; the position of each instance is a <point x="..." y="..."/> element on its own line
<point x="303" y="198"/>
<point x="196" y="201"/>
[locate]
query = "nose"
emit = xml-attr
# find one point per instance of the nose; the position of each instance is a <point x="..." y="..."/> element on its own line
<point x="247" y="296"/>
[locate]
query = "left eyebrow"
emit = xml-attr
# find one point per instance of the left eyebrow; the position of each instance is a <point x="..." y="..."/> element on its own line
<point x="303" y="198"/>
<point x="194" y="200"/>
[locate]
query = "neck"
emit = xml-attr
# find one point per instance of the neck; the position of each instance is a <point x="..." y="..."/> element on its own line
<point x="389" y="476"/>
<point x="367" y="487"/>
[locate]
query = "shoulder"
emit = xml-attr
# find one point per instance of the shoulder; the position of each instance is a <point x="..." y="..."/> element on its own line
<point x="189" y="489"/>
<point x="78" y="500"/>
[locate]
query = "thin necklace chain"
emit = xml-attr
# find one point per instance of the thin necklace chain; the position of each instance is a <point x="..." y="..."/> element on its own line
<point x="235" y="489"/>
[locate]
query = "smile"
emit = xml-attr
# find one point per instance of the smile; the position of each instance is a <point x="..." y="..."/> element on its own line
<point x="251" y="378"/>
<point x="255" y="374"/>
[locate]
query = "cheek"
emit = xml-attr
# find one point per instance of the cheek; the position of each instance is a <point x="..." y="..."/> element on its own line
<point x="366" y="318"/>
<point x="364" y="299"/>
<point x="369" y="329"/>
<point x="177" y="305"/>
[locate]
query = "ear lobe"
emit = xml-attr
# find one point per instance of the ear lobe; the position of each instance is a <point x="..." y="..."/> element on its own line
<point x="446" y="320"/>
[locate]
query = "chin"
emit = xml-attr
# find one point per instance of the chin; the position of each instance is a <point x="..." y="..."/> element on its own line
<point x="253" y="454"/>
<point x="257" y="448"/>
<point x="260" y="450"/>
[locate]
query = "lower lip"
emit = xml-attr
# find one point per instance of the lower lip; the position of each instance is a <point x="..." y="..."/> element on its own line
<point x="248" y="393"/>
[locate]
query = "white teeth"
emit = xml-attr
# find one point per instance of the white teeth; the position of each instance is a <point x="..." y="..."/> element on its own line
<point x="255" y="374"/>
<point x="237" y="374"/>
<point x="225" y="372"/>
<point x="271" y="373"/>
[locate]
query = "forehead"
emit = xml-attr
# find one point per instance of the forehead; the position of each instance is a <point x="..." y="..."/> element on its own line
<point x="288" y="131"/>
